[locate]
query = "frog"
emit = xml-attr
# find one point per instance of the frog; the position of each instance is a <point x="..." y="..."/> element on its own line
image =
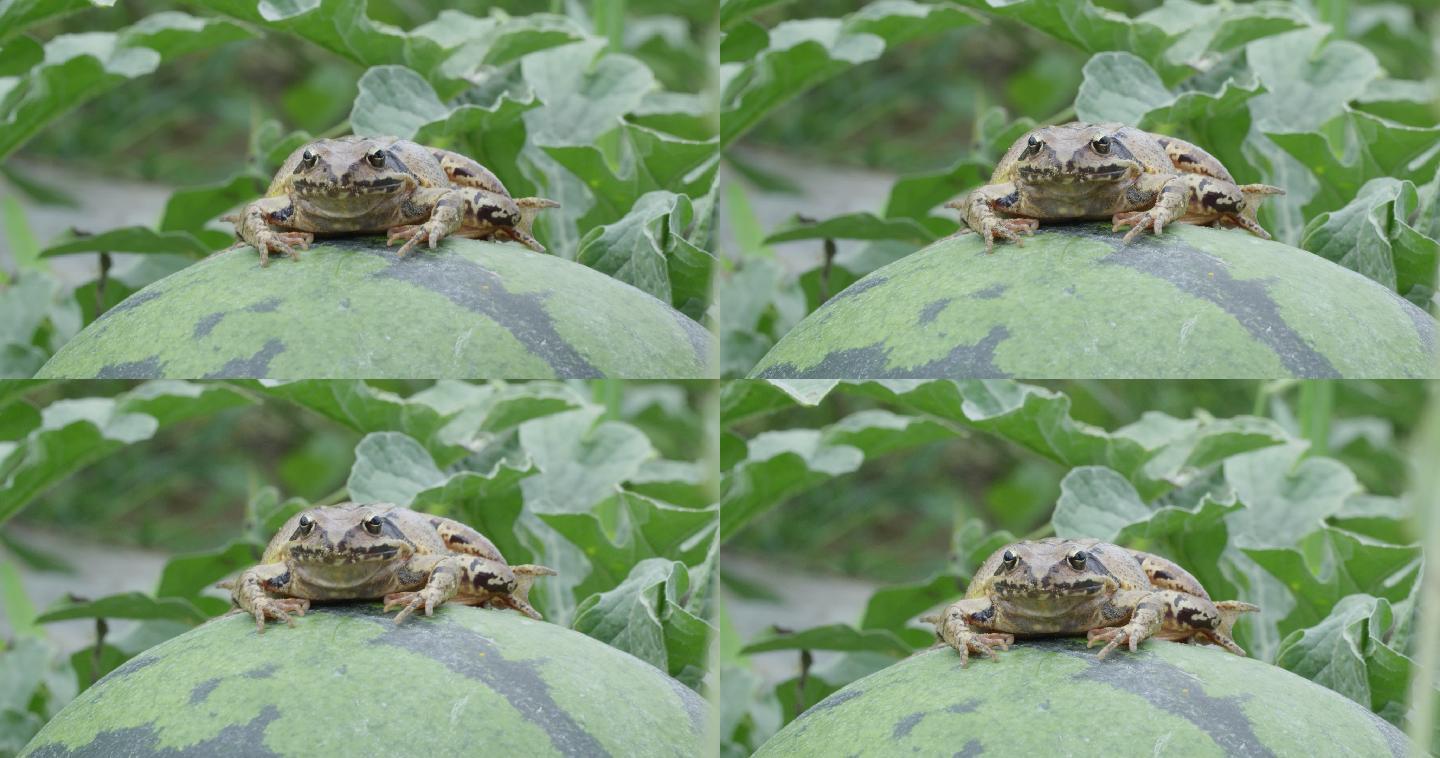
<point x="363" y="551"/>
<point x="1060" y="587"/>
<point x="356" y="185"/>
<point x="1107" y="171"/>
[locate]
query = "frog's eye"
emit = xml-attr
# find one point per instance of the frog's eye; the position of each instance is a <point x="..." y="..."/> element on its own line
<point x="1033" y="144"/>
<point x="306" y="523"/>
<point x="1101" y="144"/>
<point x="308" y="157"/>
<point x="376" y="158"/>
<point x="372" y="525"/>
<point x="1009" y="558"/>
<point x="1077" y="560"/>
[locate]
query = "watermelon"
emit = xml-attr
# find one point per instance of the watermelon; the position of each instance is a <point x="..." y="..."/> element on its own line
<point x="1074" y="302"/>
<point x="348" y="681"/>
<point x="1054" y="697"/>
<point x="351" y="308"/>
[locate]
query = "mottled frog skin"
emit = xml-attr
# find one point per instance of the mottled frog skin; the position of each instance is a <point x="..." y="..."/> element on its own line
<point x="358" y="551"/>
<point x="1133" y="178"/>
<point x="1060" y="587"/>
<point x="356" y="185"/>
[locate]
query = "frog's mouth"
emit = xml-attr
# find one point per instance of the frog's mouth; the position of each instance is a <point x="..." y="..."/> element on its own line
<point x="1017" y="590"/>
<point x="1050" y="175"/>
<point x="355" y="188"/>
<point x="312" y="556"/>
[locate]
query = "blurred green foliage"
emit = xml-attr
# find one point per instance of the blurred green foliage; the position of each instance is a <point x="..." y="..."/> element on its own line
<point x="1291" y="495"/>
<point x="607" y="482"/>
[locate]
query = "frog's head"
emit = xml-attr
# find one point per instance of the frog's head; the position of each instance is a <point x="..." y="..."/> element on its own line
<point x="1076" y="154"/>
<point x="349" y="176"/>
<point x="345" y="545"/>
<point x="1048" y="569"/>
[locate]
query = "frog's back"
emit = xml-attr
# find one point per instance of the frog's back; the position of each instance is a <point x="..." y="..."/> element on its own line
<point x="420" y="162"/>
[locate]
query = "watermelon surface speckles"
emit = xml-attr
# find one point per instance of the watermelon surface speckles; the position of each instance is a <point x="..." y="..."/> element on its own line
<point x="1075" y="303"/>
<point x="1052" y="697"/>
<point x="350" y="308"/>
<point x="348" y="681"/>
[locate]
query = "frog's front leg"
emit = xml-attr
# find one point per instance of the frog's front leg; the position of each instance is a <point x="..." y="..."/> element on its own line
<point x="251" y="592"/>
<point x="956" y="626"/>
<point x="262" y="225"/>
<point x="981" y="209"/>
<point x="1171" y="193"/>
<point x="445" y="206"/>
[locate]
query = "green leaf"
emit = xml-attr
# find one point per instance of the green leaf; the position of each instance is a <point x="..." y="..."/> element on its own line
<point x="1090" y="28"/>
<point x="169" y="401"/>
<point x="878" y="432"/>
<point x="648" y="249"/>
<point x="132" y="239"/>
<point x="1372" y="236"/>
<point x="17" y="15"/>
<point x="742" y="400"/>
<point x="895" y="606"/>
<point x="733" y="11"/>
<point x="852" y="226"/>
<point x="187" y="576"/>
<point x="1308" y="79"/>
<point x="644" y="616"/>
<point x="585" y="91"/>
<point x="391" y="467"/>
<point x="126" y="605"/>
<point x="191" y="208"/>
<point x="19" y="612"/>
<point x="1347" y="652"/>
<point x="78" y="67"/>
<point x="1096" y="502"/>
<point x="394" y="100"/>
<point x="779" y="465"/>
<point x="842" y="637"/>
<point x="637" y="528"/>
<point x="581" y="462"/>
<point x="1363" y="148"/>
<point x="801" y="54"/>
<point x="1286" y="496"/>
<point x="72" y="434"/>
<point x="339" y="26"/>
<point x="365" y="409"/>
<point x="490" y="502"/>
<point x="476" y="44"/>
<point x="1348" y="565"/>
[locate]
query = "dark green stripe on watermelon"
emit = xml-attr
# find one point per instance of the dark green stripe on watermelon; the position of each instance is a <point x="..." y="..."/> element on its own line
<point x="347" y="680"/>
<point x="351" y="308"/>
<point x="1053" y="697"/>
<point x="1075" y="302"/>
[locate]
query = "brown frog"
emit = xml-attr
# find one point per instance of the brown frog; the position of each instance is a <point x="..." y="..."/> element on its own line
<point x="378" y="550"/>
<point x="1133" y="178"/>
<point x="1056" y="587"/>
<point x="356" y="185"/>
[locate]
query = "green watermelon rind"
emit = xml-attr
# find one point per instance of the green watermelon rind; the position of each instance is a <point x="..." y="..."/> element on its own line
<point x="351" y="308"/>
<point x="1075" y="302"/>
<point x="348" y="681"/>
<point x="1054" y="697"/>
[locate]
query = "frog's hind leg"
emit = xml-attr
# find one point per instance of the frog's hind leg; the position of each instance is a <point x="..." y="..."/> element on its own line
<point x="1192" y="159"/>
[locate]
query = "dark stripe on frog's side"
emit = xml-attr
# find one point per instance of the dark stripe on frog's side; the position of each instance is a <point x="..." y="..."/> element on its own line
<point x="276" y="583"/>
<point x="519" y="682"/>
